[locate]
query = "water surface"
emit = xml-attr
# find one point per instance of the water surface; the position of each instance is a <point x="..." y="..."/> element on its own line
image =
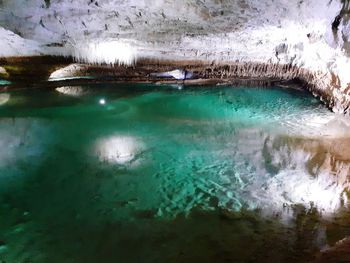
<point x="146" y="173"/>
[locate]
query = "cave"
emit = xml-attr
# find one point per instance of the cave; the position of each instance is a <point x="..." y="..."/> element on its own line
<point x="174" y="131"/>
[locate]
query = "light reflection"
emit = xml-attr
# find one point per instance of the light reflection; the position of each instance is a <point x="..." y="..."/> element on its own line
<point x="22" y="140"/>
<point x="311" y="124"/>
<point x="4" y="98"/>
<point x="329" y="124"/>
<point x="119" y="149"/>
<point x="3" y="71"/>
<point x="324" y="190"/>
<point x="72" y="90"/>
<point x="177" y="86"/>
<point x="70" y="71"/>
<point x="4" y="82"/>
<point x="70" y="78"/>
<point x="102" y="101"/>
<point x="298" y="187"/>
<point x="108" y="51"/>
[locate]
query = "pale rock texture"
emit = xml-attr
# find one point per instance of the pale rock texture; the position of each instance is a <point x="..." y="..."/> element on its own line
<point x="71" y="70"/>
<point x="3" y="71"/>
<point x="12" y="44"/>
<point x="297" y="33"/>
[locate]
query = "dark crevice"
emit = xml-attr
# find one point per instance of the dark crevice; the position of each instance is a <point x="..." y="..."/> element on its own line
<point x="345" y="10"/>
<point x="47" y="3"/>
<point x="336" y="22"/>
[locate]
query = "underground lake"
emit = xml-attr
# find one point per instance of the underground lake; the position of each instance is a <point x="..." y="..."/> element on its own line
<point x="170" y="173"/>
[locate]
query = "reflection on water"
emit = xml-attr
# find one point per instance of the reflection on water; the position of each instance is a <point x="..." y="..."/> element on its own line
<point x="156" y="174"/>
<point x="118" y="149"/>
<point x="73" y="90"/>
<point x="4" y="98"/>
<point x="4" y="82"/>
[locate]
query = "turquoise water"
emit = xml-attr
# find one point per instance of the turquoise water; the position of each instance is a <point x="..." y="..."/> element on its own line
<point x="4" y="82"/>
<point x="145" y="173"/>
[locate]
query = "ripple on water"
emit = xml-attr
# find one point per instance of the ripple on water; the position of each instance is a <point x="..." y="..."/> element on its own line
<point x="163" y="156"/>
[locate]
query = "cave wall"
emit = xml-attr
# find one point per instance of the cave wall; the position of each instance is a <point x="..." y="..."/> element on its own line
<point x="284" y="32"/>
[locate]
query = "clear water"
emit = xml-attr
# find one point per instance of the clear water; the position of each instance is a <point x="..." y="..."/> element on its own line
<point x="145" y="173"/>
<point x="4" y="82"/>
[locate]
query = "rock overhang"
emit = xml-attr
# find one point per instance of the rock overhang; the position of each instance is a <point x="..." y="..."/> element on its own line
<point x="298" y="35"/>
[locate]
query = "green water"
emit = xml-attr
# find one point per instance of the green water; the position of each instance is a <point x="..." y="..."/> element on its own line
<point x="4" y="82"/>
<point x="145" y="173"/>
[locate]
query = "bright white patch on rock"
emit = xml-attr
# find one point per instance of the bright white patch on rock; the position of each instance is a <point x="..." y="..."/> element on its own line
<point x="121" y="31"/>
<point x="110" y="52"/>
<point x="3" y="71"/>
<point x="112" y="31"/>
<point x="73" y="70"/>
<point x="13" y="45"/>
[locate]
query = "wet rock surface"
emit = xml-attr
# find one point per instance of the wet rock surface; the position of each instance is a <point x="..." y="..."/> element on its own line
<point x="340" y="252"/>
<point x="64" y="72"/>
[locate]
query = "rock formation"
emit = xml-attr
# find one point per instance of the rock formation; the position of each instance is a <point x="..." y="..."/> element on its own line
<point x="307" y="39"/>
